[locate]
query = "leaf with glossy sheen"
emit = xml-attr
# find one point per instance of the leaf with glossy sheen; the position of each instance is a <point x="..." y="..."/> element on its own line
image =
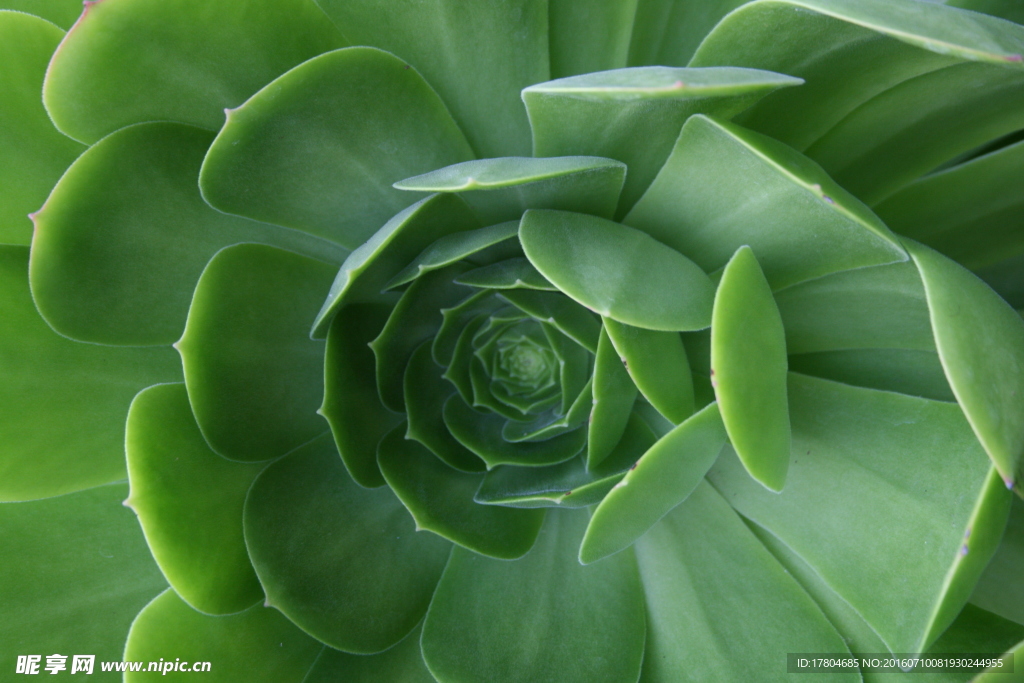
<point x="426" y="391"/>
<point x="34" y="152"/>
<point x="709" y="585"/>
<point x="586" y="37"/>
<point x="501" y="189"/>
<point x="907" y="371"/>
<point x="255" y="645"/>
<point x="455" y="247"/>
<point x="82" y="573"/>
<point x="403" y="662"/>
<point x="254" y="377"/>
<point x="724" y="187"/>
<point x="748" y="368"/>
<point x="614" y="393"/>
<point x="865" y="460"/>
<point x="542" y="618"/>
<point x="985" y="371"/>
<point x="343" y="562"/>
<point x="567" y="316"/>
<point x="661" y="479"/>
<point x="125" y="235"/>
<point x="352" y="403"/>
<point x="199" y="57"/>
<point x="440" y="499"/>
<point x="655" y="288"/>
<point x="477" y="56"/>
<point x="972" y="213"/>
<point x="848" y="53"/>
<point x="569" y="484"/>
<point x="1000" y="589"/>
<point x="319" y="148"/>
<point x="63" y="13"/>
<point x="481" y="433"/>
<point x="369" y="268"/>
<point x="879" y="307"/>
<point x="189" y="502"/>
<point x="657" y="363"/>
<point x="509" y="274"/>
<point x="62" y="404"/>
<point x="600" y="113"/>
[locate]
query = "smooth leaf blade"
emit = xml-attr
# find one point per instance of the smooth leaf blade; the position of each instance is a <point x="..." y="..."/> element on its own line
<point x="656" y="288"/>
<point x="985" y="371"/>
<point x="748" y="369"/>
<point x="613" y="396"/>
<point x="658" y="365"/>
<point x="660" y="480"/>
<point x="287" y="157"/>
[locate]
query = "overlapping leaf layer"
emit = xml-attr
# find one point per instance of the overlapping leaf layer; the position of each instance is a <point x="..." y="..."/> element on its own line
<point x="532" y="340"/>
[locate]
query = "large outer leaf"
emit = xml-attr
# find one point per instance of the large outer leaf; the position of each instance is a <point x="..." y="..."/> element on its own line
<point x="180" y="60"/>
<point x="34" y="153"/>
<point x="591" y="36"/>
<point x="884" y="492"/>
<point x="568" y="623"/>
<point x="62" y="404"/>
<point x="63" y="13"/>
<point x="76" y="572"/>
<point x="1000" y="589"/>
<point x="319" y="148"/>
<point x="710" y="585"/>
<point x="478" y="56"/>
<point x="124" y="236"/>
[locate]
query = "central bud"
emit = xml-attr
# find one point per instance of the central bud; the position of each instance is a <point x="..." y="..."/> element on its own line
<point x="522" y="362"/>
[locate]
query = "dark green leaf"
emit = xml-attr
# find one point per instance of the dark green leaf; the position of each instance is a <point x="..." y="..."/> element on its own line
<point x="403" y="662"/>
<point x="455" y="247"/>
<point x="614" y="393"/>
<point x="590" y="36"/>
<point x="1000" y="590"/>
<point x="571" y="319"/>
<point x="343" y="562"/>
<point x="907" y="371"/>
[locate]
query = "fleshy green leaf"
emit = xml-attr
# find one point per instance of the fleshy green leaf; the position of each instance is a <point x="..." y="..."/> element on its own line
<point x="587" y="37"/>
<point x="62" y="404"/>
<point x="867" y="308"/>
<point x="542" y="618"/>
<point x="667" y="32"/>
<point x="416" y="319"/>
<point x="656" y="362"/>
<point x="664" y="477"/>
<point x="709" y="585"/>
<point x="255" y="645"/>
<point x="600" y="113"/>
<point x="614" y="393"/>
<point x="501" y="189"/>
<point x="656" y="288"/>
<point x="1000" y="589"/>
<point x="972" y="213"/>
<point x="78" y="572"/>
<point x="985" y="371"/>
<point x="848" y="52"/>
<point x="865" y="460"/>
<point x="63" y="13"/>
<point x="441" y="500"/>
<point x="198" y="58"/>
<point x="189" y="501"/>
<point x="481" y="433"/>
<point x="318" y="148"/>
<point x="369" y="268"/>
<point x="125" y="235"/>
<point x="724" y="187"/>
<point x="569" y="484"/>
<point x="34" y="152"/>
<point x="907" y="371"/>
<point x="571" y="319"/>
<point x="403" y="662"/>
<point x="343" y="562"/>
<point x="748" y="366"/>
<point x="352" y="403"/>
<point x="455" y="247"/>
<point x="509" y="274"/>
<point x="997" y="673"/>
<point x="254" y="377"/>
<point x="477" y="56"/>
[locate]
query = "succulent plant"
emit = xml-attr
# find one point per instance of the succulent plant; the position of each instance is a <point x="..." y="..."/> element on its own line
<point x="519" y="340"/>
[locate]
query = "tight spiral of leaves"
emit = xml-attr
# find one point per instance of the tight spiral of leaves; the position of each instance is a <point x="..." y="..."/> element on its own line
<point x="519" y="340"/>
